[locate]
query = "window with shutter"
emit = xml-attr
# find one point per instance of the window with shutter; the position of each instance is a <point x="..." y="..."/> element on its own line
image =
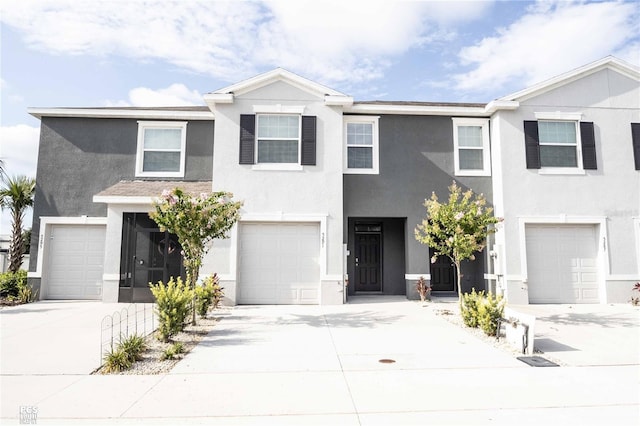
<point x="560" y="146"/>
<point x="277" y="141"/>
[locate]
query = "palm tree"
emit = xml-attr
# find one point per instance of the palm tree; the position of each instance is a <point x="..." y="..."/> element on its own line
<point x="16" y="194"/>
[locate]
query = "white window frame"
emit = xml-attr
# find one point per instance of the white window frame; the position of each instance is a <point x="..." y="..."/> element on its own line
<point x="142" y="127"/>
<point x="566" y="117"/>
<point x="278" y="166"/>
<point x="483" y="123"/>
<point x="375" y="156"/>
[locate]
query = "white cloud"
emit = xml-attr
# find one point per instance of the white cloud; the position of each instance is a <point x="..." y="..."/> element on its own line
<point x="19" y="151"/>
<point x="175" y="95"/>
<point x="334" y="40"/>
<point x="552" y="38"/>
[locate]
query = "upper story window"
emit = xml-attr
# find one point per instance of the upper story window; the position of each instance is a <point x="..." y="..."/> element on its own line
<point x="471" y="147"/>
<point x="559" y="143"/>
<point x="282" y="141"/>
<point x="278" y="138"/>
<point x="361" y="144"/>
<point x="161" y="148"/>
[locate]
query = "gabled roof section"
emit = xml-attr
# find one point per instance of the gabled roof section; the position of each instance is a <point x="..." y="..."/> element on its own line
<point x="609" y="62"/>
<point x="227" y="94"/>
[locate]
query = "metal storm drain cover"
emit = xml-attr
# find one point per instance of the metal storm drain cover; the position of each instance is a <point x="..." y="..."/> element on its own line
<point x="386" y="361"/>
<point x="537" y="361"/>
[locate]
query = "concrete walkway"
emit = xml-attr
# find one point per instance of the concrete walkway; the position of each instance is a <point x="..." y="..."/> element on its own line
<point x="321" y="365"/>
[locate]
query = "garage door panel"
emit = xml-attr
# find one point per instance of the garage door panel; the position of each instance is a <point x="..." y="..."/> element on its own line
<point x="309" y="295"/>
<point x="562" y="263"/>
<point x="278" y="263"/>
<point x="75" y="262"/>
<point x="589" y="293"/>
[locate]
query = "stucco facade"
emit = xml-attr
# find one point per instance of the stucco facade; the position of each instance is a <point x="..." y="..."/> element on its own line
<point x="416" y="159"/>
<point x="340" y="194"/>
<point x="607" y="198"/>
<point x="282" y="193"/>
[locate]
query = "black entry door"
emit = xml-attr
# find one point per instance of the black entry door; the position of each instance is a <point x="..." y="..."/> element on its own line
<point x="151" y="256"/>
<point x="443" y="277"/>
<point x="368" y="267"/>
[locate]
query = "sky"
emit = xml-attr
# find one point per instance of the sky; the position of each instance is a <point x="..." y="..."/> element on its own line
<point x="115" y="53"/>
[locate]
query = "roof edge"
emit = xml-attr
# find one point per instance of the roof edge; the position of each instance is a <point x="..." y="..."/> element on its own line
<point x="375" y="108"/>
<point x="276" y="74"/>
<point x="150" y="113"/>
<point x="611" y="62"/>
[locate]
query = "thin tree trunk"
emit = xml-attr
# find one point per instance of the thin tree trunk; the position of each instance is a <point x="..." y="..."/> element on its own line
<point x="459" y="280"/>
<point x="16" y="249"/>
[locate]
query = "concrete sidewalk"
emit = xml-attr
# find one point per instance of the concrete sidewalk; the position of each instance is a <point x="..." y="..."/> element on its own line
<point x="320" y="365"/>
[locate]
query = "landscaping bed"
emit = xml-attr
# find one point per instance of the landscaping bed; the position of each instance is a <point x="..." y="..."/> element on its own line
<point x="151" y="361"/>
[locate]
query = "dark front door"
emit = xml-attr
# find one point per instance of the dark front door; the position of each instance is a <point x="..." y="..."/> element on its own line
<point x="443" y="277"/>
<point x="368" y="262"/>
<point x="152" y="256"/>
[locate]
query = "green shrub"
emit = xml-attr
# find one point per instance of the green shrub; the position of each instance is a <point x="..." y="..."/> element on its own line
<point x="208" y="295"/>
<point x="173" y="303"/>
<point x="26" y="294"/>
<point x="11" y="284"/>
<point x="116" y="360"/>
<point x="469" y="308"/>
<point x="133" y="346"/>
<point x="170" y="353"/>
<point x="490" y="309"/>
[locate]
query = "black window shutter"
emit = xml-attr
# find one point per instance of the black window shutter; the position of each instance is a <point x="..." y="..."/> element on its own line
<point x="308" y="157"/>
<point x="532" y="144"/>
<point x="247" y="138"/>
<point x="635" y="137"/>
<point x="588" y="138"/>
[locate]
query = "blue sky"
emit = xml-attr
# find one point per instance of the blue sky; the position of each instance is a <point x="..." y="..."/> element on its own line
<point x="76" y="53"/>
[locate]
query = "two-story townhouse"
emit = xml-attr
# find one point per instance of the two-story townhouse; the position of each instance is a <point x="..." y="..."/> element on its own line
<point x="418" y="148"/>
<point x="98" y="170"/>
<point x="566" y="160"/>
<point x="278" y="140"/>
<point x="333" y="189"/>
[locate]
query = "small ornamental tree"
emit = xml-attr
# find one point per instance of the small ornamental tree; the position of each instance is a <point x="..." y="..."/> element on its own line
<point x="196" y="221"/>
<point x="457" y="229"/>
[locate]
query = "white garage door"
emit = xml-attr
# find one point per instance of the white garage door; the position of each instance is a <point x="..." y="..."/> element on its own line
<point x="562" y="263"/>
<point x="75" y="265"/>
<point x="278" y="263"/>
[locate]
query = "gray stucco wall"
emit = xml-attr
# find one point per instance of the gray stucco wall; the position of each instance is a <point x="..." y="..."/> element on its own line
<point x="79" y="157"/>
<point x="416" y="158"/>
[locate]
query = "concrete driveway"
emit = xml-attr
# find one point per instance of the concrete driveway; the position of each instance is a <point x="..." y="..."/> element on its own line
<point x="583" y="335"/>
<point x="53" y="337"/>
<point x="322" y="365"/>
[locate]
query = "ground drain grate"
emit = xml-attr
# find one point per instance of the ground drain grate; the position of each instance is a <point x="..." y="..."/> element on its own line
<point x="386" y="361"/>
<point x="537" y="361"/>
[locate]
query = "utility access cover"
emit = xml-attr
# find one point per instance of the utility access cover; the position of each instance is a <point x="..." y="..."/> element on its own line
<point x="537" y="361"/>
